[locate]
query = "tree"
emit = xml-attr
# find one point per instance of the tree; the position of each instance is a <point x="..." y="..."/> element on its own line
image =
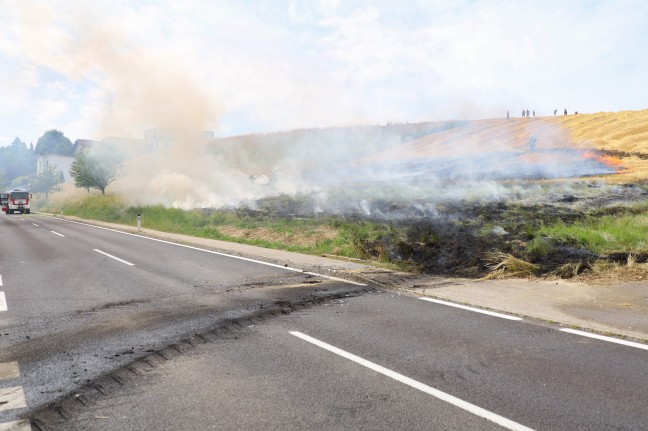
<point x="92" y="172"/>
<point x="4" y="184"/>
<point x="46" y="181"/>
<point x="54" y="142"/>
<point x="16" y="160"/>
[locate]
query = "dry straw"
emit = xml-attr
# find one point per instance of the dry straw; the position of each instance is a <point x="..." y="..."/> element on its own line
<point x="505" y="265"/>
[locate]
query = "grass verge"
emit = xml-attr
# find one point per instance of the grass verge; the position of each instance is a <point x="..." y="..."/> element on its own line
<point x="332" y="236"/>
<point x="466" y="239"/>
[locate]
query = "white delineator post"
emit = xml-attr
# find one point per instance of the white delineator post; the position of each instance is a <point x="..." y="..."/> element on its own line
<point x="139" y="222"/>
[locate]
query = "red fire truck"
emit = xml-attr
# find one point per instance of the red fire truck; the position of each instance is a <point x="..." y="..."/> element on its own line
<point x="16" y="200"/>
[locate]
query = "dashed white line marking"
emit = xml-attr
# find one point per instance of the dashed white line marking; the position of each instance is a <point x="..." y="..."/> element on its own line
<point x="21" y="425"/>
<point x="12" y="398"/>
<point x="3" y="302"/>
<point x="478" y="411"/>
<point x="35" y="224"/>
<point x="476" y="310"/>
<point x="287" y="268"/>
<point x="56" y="233"/>
<point x="114" y="257"/>
<point x="604" y="338"/>
<point x="9" y="370"/>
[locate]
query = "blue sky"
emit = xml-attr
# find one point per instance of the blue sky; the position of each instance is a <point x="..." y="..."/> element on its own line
<point x="106" y="68"/>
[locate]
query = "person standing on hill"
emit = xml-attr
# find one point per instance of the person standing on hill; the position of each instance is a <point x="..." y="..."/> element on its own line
<point x="534" y="112"/>
<point x="565" y="111"/>
<point x="508" y="116"/>
<point x="523" y="113"/>
<point x="527" y="113"/>
<point x="555" y="112"/>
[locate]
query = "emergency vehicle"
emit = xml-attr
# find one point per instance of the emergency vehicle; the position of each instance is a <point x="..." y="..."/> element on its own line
<point x="16" y="200"/>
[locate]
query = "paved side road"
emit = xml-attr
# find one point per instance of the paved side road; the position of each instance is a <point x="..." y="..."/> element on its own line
<point x="619" y="310"/>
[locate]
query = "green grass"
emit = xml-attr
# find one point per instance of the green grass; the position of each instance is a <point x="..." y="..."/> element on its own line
<point x="529" y="234"/>
<point x="607" y="234"/>
<point x="361" y="240"/>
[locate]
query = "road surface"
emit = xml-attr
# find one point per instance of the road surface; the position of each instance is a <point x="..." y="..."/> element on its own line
<point x="79" y="301"/>
<point x="96" y="343"/>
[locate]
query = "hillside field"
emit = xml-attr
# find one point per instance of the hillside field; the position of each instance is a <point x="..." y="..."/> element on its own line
<point x="574" y="205"/>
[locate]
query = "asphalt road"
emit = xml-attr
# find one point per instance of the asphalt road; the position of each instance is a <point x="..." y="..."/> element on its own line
<point x="80" y="301"/>
<point x="377" y="360"/>
<point x="425" y="361"/>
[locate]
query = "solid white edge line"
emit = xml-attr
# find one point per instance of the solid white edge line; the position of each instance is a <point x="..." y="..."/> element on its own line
<point x="35" y="224"/>
<point x="604" y="338"/>
<point x="0" y="280"/>
<point x="3" y="302"/>
<point x="330" y="277"/>
<point x="476" y="410"/>
<point x="56" y="233"/>
<point x="20" y="425"/>
<point x="114" y="257"/>
<point x="191" y="247"/>
<point x="476" y="310"/>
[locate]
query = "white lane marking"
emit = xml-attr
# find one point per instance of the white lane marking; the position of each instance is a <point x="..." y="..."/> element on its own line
<point x="12" y="398"/>
<point x="476" y="310"/>
<point x="3" y="302"/>
<point x="21" y="425"/>
<point x="9" y="370"/>
<point x="35" y="224"/>
<point x="493" y="417"/>
<point x="604" y="338"/>
<point x="287" y="268"/>
<point x="114" y="257"/>
<point x="22" y="219"/>
<point x="56" y="233"/>
<point x="328" y="277"/>
<point x="0" y="279"/>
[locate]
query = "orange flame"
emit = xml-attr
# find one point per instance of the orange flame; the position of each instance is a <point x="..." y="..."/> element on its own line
<point x="607" y="160"/>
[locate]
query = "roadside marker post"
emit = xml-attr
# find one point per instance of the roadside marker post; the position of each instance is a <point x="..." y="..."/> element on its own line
<point x="139" y="222"/>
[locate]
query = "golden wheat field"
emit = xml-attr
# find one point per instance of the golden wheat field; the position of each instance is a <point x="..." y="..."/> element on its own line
<point x="624" y="132"/>
<point x="620" y="138"/>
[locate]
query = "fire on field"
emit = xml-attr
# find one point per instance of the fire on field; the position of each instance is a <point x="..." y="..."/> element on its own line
<point x="490" y="198"/>
<point x="557" y="196"/>
<point x="541" y="228"/>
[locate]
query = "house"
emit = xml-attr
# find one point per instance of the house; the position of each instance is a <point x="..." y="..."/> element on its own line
<point x="62" y="162"/>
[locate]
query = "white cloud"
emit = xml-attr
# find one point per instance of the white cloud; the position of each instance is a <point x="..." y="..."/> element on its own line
<point x="270" y="64"/>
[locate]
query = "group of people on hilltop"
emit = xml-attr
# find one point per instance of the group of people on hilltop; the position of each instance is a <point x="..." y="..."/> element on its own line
<point x="556" y="112"/>
<point x="526" y="113"/>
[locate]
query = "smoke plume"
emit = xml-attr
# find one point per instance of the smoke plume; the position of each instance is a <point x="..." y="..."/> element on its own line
<point x="344" y="169"/>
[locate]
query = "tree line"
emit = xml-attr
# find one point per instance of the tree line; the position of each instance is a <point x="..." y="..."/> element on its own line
<point x="95" y="170"/>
